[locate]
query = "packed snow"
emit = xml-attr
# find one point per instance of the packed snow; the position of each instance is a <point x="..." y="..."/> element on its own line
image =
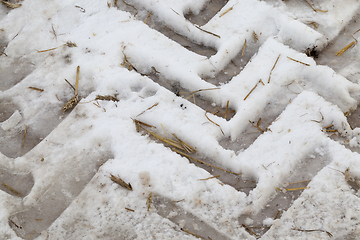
<point x="64" y="161"/>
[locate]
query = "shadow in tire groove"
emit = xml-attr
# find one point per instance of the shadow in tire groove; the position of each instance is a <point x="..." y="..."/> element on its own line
<point x="185" y="220"/>
<point x="29" y="223"/>
<point x="154" y="23"/>
<point x="16" y="184"/>
<point x="260" y="223"/>
<point x="208" y="12"/>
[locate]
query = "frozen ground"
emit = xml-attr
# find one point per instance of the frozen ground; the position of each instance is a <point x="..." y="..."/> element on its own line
<point x="196" y="119"/>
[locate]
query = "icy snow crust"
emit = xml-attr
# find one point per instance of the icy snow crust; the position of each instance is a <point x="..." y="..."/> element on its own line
<point x="71" y="165"/>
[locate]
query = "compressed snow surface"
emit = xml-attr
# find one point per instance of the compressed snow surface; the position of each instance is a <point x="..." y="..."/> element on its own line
<point x="73" y="156"/>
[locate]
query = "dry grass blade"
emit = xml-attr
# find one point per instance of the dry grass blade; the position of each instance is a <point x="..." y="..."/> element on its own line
<point x="313" y="230"/>
<point x="142" y="123"/>
<point x="202" y="162"/>
<point x="200" y="90"/>
<point x="255" y="36"/>
<point x="12" y="190"/>
<point x="313" y="24"/>
<point x="172" y="202"/>
<point x="165" y="140"/>
<point x="306" y="64"/>
<point x="130" y="6"/>
<point x="204" y="179"/>
<point x="315" y="9"/>
<point x="329" y="126"/>
<point x="243" y="50"/>
<point x="273" y="67"/>
<point x="77" y="79"/>
<point x="214" y="123"/>
<point x="207" y="32"/>
<point x="81" y="8"/>
<point x="17" y="225"/>
<point x="139" y="123"/>
<point x="32" y="234"/>
<point x="175" y="11"/>
<point x="226" y="110"/>
<point x="48" y="49"/>
<point x="53" y="31"/>
<point x="258" y="227"/>
<point x="258" y="122"/>
<point x="252" y="89"/>
<point x="11" y="5"/>
<point x="194" y="234"/>
<point x="295" y="189"/>
<point x="129" y="209"/>
<point x="149" y="201"/>
<point x="291" y="189"/>
<point x="339" y="53"/>
<point x="69" y="84"/>
<point x="148" y="17"/>
<point x="331" y="130"/>
<point x="148" y="109"/>
<point x="37" y="89"/>
<point x="126" y="61"/>
<point x="226" y="11"/>
<point x="186" y="146"/>
<point x="106" y="98"/>
<point x="299" y="182"/>
<point x="120" y="182"/>
<point x="256" y="127"/>
<point x="164" y="130"/>
<point x="276" y="214"/>
<point x="23" y="142"/>
<point x="322" y="118"/>
<point x="74" y="100"/>
<point x="192" y="94"/>
<point x="247" y="229"/>
<point x="97" y="104"/>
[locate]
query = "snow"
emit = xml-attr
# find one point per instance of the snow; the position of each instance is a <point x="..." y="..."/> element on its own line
<point x="71" y="155"/>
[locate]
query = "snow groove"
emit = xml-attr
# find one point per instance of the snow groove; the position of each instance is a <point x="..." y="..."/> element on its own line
<point x="167" y="66"/>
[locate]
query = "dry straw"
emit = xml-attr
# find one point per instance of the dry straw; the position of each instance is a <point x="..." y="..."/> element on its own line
<point x="37" y="89"/>
<point x="11" y="5"/>
<point x="243" y="50"/>
<point x="194" y="234"/>
<point x="149" y="201"/>
<point x="106" y="98"/>
<point x="306" y="64"/>
<point x="273" y="67"/>
<point x="12" y="190"/>
<point x="315" y="9"/>
<point x="226" y="11"/>
<point x="121" y="182"/>
<point x="74" y="100"/>
<point x="313" y="230"/>
<point x="207" y="31"/>
<point x="214" y="123"/>
<point x="339" y="53"/>
<point x="129" y="209"/>
<point x="23" y="142"/>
